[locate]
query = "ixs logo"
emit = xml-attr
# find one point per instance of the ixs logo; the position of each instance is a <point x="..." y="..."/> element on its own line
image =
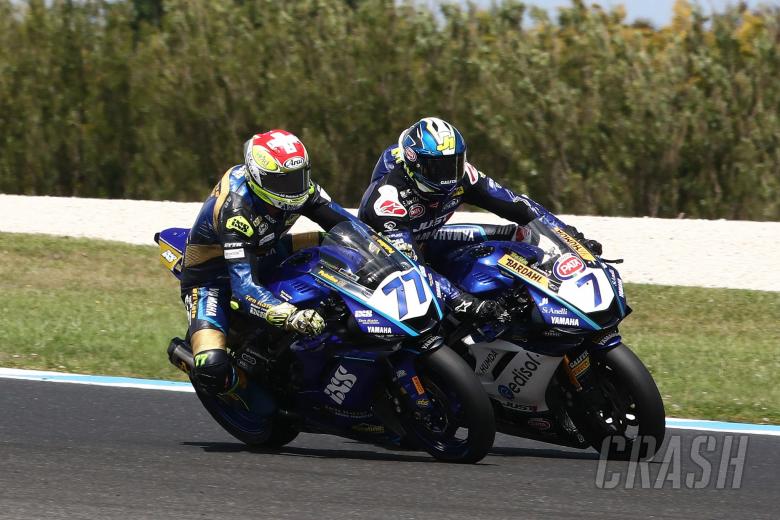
<point x="241" y="225"/>
<point x="340" y="384"/>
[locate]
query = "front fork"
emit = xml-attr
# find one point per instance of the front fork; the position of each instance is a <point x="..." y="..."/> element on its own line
<point x="407" y="381"/>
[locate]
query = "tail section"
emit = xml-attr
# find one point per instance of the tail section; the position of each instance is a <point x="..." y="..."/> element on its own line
<point x="172" y="242"/>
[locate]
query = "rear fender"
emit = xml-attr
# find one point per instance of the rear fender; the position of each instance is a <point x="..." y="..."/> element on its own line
<point x="172" y="242"/>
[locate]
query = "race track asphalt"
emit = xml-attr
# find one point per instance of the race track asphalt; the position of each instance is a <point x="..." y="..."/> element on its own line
<point x="86" y="452"/>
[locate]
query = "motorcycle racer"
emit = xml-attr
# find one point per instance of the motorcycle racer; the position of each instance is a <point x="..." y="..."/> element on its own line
<point x="416" y="186"/>
<point x="243" y="224"/>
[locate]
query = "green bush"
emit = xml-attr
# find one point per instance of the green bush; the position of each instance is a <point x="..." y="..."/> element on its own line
<point x="585" y="112"/>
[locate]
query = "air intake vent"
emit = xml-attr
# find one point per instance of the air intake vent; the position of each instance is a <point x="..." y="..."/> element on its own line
<point x="480" y="251"/>
<point x="300" y="286"/>
<point x="483" y="277"/>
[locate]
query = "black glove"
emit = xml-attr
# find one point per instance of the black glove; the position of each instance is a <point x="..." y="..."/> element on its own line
<point x="492" y="310"/>
<point x="592" y="245"/>
<point x="467" y="305"/>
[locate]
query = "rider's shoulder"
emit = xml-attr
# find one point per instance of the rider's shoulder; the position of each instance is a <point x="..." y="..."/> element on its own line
<point x="472" y="176"/>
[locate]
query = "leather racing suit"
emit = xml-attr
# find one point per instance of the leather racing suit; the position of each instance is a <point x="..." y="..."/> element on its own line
<point x="394" y="206"/>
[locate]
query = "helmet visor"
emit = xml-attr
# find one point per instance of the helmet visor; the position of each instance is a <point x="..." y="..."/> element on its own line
<point x="443" y="171"/>
<point x="290" y="183"/>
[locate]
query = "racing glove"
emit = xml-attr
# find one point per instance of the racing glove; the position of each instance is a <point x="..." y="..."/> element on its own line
<point x="406" y="248"/>
<point x="592" y="245"/>
<point x="466" y="305"/>
<point x="287" y="316"/>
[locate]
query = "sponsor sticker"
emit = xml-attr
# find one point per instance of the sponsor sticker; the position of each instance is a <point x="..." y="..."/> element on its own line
<point x="378" y="330"/>
<point x="389" y="208"/>
<point x="418" y="385"/>
<point x="232" y="254"/>
<point x="340" y="384"/>
<point x="168" y="256"/>
<point x="416" y="210"/>
<point x="539" y="423"/>
<point x="563" y="320"/>
<point x="532" y="275"/>
<point x="264" y="159"/>
<point x="579" y="248"/>
<point x="294" y="162"/>
<point x="567" y="266"/>
<point x="472" y="173"/>
<point x="265" y="239"/>
<point x="410" y="154"/>
<point x="240" y="224"/>
<point x="580" y="365"/>
<point x="451" y="204"/>
<point x="505" y="392"/>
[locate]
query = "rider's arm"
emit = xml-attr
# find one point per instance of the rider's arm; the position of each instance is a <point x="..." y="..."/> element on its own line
<point x="482" y="191"/>
<point x="321" y="210"/>
<point x="239" y="240"/>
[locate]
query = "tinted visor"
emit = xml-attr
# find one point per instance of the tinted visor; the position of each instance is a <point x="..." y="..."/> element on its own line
<point x="291" y="183"/>
<point x="442" y="171"/>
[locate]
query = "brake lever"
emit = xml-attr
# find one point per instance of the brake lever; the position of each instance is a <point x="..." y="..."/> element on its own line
<point x="615" y="261"/>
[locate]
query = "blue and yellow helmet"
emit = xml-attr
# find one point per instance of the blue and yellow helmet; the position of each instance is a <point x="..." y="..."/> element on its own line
<point x="434" y="154"/>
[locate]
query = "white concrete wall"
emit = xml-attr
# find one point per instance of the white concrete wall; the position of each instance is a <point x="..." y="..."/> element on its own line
<point x="704" y="253"/>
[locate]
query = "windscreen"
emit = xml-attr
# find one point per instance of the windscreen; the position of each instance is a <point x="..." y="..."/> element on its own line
<point x="563" y="256"/>
<point x="359" y="257"/>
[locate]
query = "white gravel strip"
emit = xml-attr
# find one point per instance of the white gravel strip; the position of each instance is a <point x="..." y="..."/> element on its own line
<point x="703" y="253"/>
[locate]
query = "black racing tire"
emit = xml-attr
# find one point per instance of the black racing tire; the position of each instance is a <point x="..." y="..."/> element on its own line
<point x="634" y="411"/>
<point x="461" y="403"/>
<point x="269" y="433"/>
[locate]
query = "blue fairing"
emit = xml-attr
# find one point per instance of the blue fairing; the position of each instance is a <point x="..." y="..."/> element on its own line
<point x="175" y="237"/>
<point x="473" y="268"/>
<point x="293" y="283"/>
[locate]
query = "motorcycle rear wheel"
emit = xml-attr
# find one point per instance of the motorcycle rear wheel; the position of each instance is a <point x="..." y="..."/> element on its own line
<point x="461" y="426"/>
<point x="261" y="432"/>
<point x="631" y="410"/>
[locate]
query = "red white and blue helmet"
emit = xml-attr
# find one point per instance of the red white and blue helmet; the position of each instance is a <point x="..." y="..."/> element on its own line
<point x="434" y="154"/>
<point x="277" y="169"/>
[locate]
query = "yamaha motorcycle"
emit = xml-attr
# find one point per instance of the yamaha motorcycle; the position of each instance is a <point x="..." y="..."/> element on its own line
<point x="558" y="371"/>
<point x="379" y="372"/>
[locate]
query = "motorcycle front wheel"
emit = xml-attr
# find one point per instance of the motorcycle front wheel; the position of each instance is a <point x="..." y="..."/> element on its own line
<point x="459" y="425"/>
<point x="623" y="416"/>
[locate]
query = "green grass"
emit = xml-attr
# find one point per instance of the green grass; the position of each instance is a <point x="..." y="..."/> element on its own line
<point x="109" y="308"/>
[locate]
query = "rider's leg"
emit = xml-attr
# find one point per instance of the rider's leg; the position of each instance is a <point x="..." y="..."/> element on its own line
<point x="207" y="312"/>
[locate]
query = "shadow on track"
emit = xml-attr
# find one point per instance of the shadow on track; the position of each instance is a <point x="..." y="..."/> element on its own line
<point x="295" y="451"/>
<point x="543" y="453"/>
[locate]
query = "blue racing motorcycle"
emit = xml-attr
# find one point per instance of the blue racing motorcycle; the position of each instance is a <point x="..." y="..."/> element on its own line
<point x="558" y="371"/>
<point x="379" y="372"/>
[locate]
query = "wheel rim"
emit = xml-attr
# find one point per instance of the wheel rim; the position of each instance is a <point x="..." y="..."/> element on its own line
<point x="443" y="428"/>
<point x="235" y="416"/>
<point x="620" y="414"/>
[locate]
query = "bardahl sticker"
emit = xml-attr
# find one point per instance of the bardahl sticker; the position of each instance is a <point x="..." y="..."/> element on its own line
<point x="523" y="271"/>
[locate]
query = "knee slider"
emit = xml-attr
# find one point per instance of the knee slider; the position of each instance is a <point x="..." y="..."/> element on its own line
<point x="214" y="372"/>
